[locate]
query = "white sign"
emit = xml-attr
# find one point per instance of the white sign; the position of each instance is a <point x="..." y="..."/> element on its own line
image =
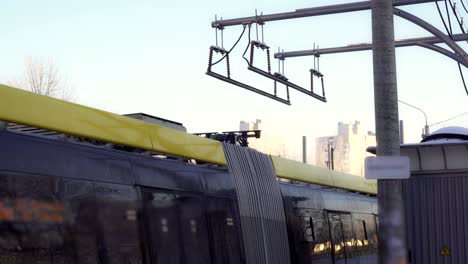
<point x="387" y="167"/>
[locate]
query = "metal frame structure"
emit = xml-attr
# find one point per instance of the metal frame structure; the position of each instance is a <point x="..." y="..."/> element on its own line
<point x="285" y="81"/>
<point x="459" y="55"/>
<point x="424" y="41"/>
<point x="428" y="42"/>
<point x="228" y="79"/>
<point x="309" y="12"/>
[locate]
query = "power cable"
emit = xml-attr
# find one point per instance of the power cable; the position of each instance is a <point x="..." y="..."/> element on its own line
<point x="247" y="48"/>
<point x="460" y="22"/>
<point x="464" y="7"/>
<point x="448" y="17"/>
<point x="463" y="31"/>
<point x="235" y="44"/>
<point x="442" y="18"/>
<point x="450" y="35"/>
<point x="449" y="119"/>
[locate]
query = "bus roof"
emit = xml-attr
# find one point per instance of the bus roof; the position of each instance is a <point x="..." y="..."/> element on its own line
<point x="22" y="107"/>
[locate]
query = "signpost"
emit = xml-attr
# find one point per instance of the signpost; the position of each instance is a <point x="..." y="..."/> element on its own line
<point x="387" y="167"/>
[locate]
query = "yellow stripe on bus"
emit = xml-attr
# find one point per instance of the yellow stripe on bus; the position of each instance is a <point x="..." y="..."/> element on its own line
<point x="31" y="109"/>
<point x="293" y="170"/>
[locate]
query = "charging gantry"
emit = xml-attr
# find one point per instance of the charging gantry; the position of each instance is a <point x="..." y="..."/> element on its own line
<point x="259" y="44"/>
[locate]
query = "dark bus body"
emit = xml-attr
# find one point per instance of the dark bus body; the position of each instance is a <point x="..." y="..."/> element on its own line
<point x="68" y="202"/>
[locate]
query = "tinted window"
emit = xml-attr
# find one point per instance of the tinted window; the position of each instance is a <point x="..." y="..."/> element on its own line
<point x="117" y="223"/>
<point x="163" y="225"/>
<point x="366" y="236"/>
<point x="178" y="227"/>
<point x="225" y="228"/>
<point x="348" y="236"/>
<point x="194" y="229"/>
<point x="313" y="237"/>
<point x="336" y="233"/>
<point x="49" y="220"/>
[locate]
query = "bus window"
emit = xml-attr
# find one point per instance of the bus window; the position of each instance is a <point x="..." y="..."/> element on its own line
<point x="193" y="228"/>
<point x="163" y="225"/>
<point x="117" y="225"/>
<point x="48" y="220"/>
<point x="349" y="238"/>
<point x="225" y="228"/>
<point x="336" y="234"/>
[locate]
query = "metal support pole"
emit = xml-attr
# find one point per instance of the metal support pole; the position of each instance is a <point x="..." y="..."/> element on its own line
<point x="392" y="241"/>
<point x="304" y="149"/>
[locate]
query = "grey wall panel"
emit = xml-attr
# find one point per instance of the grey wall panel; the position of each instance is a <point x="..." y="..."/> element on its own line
<point x="260" y="205"/>
<point x="437" y="217"/>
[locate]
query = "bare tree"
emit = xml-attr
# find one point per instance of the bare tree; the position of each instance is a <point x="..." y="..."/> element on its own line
<point x="43" y="77"/>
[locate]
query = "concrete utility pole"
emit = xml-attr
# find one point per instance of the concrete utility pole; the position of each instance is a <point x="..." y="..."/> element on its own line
<point x="392" y="241"/>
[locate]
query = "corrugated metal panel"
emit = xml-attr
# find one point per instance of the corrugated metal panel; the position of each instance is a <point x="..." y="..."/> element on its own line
<point x="437" y="217"/>
<point x="260" y="205"/>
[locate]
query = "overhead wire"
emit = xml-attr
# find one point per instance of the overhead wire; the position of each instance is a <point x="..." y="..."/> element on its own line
<point x="233" y="46"/>
<point x="464" y="7"/>
<point x="449" y="119"/>
<point x="449" y="32"/>
<point x="460" y="23"/>
<point x="448" y="17"/>
<point x="442" y="18"/>
<point x="248" y="45"/>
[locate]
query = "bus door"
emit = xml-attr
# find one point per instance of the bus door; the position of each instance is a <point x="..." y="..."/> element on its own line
<point x="177" y="228"/>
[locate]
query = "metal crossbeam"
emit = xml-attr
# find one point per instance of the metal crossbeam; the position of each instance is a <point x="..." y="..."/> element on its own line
<point x="309" y="12"/>
<point x="248" y="87"/>
<point x="287" y="83"/>
<point x="460" y="55"/>
<point x="366" y="46"/>
<point x="446" y="39"/>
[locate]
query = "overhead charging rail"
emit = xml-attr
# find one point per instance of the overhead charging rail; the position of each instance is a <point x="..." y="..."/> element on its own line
<point x="217" y="50"/>
<point x="278" y="77"/>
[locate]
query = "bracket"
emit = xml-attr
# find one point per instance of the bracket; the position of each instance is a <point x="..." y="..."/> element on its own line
<point x="216" y="49"/>
<point x="233" y="137"/>
<point x="277" y="77"/>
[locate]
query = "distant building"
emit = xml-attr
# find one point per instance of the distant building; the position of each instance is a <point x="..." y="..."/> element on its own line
<point x="267" y="143"/>
<point x="245" y="125"/>
<point x="346" y="151"/>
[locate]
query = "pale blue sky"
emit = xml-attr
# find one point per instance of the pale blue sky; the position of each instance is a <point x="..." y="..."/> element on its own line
<point x="150" y="56"/>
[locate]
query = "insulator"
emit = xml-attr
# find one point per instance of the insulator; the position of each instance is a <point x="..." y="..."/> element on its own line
<point x="287" y="92"/>
<point x="268" y="60"/>
<point x="228" y="66"/>
<point x="210" y="59"/>
<point x="275" y="88"/>
<point x="323" y="87"/>
<point x="251" y="54"/>
<point x="311" y="81"/>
